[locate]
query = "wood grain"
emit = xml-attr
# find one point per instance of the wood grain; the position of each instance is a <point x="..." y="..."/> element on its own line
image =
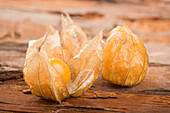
<point x="24" y="20"/>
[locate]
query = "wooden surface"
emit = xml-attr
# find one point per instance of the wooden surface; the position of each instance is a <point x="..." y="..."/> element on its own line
<point x="22" y="20"/>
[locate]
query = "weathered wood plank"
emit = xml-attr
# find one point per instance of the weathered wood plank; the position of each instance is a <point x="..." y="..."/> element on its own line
<point x="23" y="20"/>
<point x="83" y="7"/>
<point x="92" y="100"/>
<point x="145" y="20"/>
<point x="156" y="82"/>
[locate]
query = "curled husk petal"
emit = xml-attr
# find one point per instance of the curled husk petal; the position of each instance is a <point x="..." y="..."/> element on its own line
<point x="53" y="46"/>
<point x="85" y="67"/>
<point x="73" y="38"/>
<point x="41" y="77"/>
<point x="125" y="60"/>
<point x="53" y="43"/>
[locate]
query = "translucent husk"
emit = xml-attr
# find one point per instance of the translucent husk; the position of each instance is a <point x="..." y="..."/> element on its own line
<point x="125" y="60"/>
<point x="72" y="36"/>
<point x="43" y="79"/>
<point x="85" y="67"/>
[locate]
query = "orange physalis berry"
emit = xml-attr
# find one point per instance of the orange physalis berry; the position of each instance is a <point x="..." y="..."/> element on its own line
<point x="61" y="68"/>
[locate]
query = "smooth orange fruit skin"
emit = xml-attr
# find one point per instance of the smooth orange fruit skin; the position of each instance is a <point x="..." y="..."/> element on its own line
<point x="61" y="68"/>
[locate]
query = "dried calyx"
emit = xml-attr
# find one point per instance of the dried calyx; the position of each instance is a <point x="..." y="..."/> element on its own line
<point x="125" y="60"/>
<point x="85" y="66"/>
<point x="73" y="48"/>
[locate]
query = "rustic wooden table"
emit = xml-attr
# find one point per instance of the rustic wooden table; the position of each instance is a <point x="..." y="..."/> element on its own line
<point x="22" y="20"/>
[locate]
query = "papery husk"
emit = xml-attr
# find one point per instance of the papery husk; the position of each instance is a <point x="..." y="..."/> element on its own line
<point x="83" y="57"/>
<point x="72" y="37"/>
<point x="41" y="77"/>
<point x="53" y="43"/>
<point x="125" y="60"/>
<point x="53" y="46"/>
<point x="85" y="67"/>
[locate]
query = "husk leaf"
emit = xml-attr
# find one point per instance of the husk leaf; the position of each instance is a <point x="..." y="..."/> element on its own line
<point x="72" y="36"/>
<point x="85" y="67"/>
<point x="125" y="60"/>
<point x="42" y="78"/>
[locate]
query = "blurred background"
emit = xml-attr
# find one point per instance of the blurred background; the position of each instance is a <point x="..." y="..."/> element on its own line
<point x="23" y="20"/>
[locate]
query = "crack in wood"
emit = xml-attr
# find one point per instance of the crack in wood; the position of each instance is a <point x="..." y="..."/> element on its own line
<point x="10" y="75"/>
<point x="156" y="91"/>
<point x="153" y="64"/>
<point x="4" y="102"/>
<point x="101" y="97"/>
<point x="94" y="108"/>
<point x="20" y="47"/>
<point x="87" y="15"/>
